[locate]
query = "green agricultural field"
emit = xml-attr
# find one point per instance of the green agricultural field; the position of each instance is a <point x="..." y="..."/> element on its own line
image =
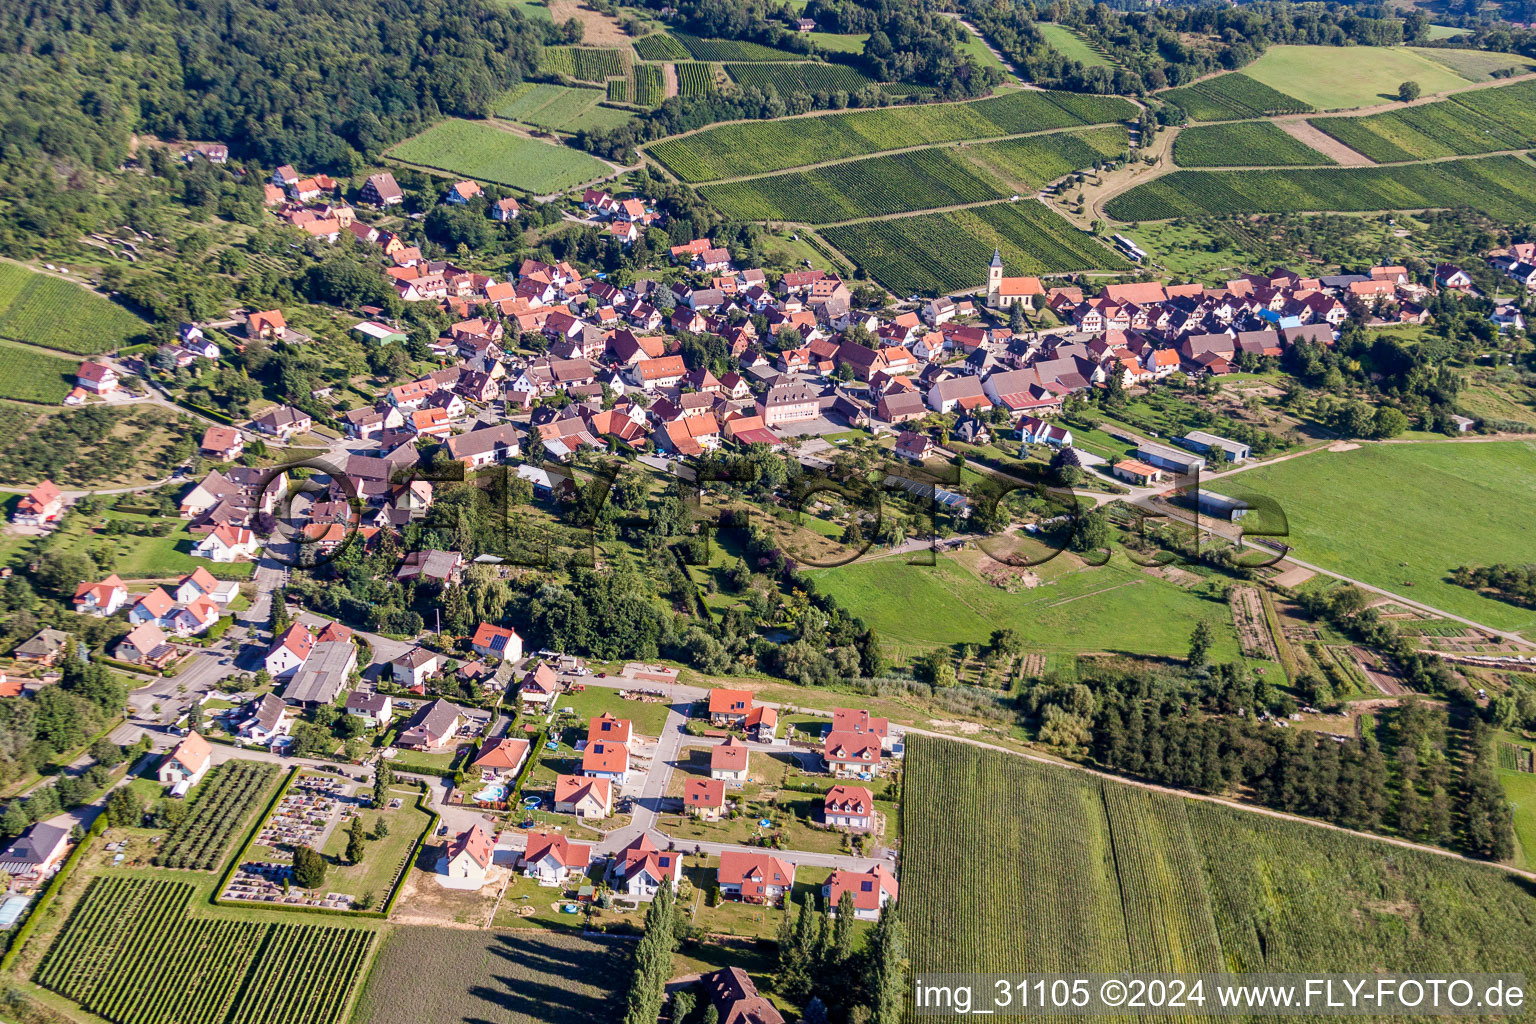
<point x="1243" y="144"/>
<point x="584" y="63"/>
<point x="945" y="251"/>
<point x="559" y="107"/>
<point x="38" y="309"/>
<point x="1337" y="78"/>
<point x="495" y="977"/>
<point x="875" y="187"/>
<point x="131" y="953"/>
<point x="1076" y="608"/>
<point x="733" y="150"/>
<point x="1402" y="516"/>
<point x="660" y="47"/>
<point x="1477" y="65"/>
<point x="1071" y="45"/>
<point x="1231" y="97"/>
<point x="28" y="375"/>
<point x="1086" y="874"/>
<point x="478" y="150"/>
<point x="1520" y="790"/>
<point x="722" y="50"/>
<point x="1483" y="121"/>
<point x="1504" y="187"/>
<point x="802" y="76"/>
<point x="834" y="42"/>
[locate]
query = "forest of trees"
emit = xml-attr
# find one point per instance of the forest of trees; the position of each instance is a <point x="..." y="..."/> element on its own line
<point x="1169" y="45"/>
<point x="323" y="87"/>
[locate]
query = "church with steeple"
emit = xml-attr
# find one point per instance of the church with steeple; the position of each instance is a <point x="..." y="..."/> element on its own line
<point x="1003" y="292"/>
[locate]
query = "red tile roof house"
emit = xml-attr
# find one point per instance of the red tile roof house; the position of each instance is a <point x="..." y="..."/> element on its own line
<point x="497" y="641"/>
<point x="155" y="606"/>
<point x="189" y="762"/>
<point x="754" y="877"/>
<point x="728" y="761"/>
<point x="289" y="651"/>
<point x="871" y="891"/>
<point x="704" y="798"/>
<point x="467" y="859"/>
<point x="607" y="727"/>
<point x="848" y="753"/>
<point x="606" y="759"/>
<point x="640" y="868"/>
<point x="729" y="707"/>
<point x="97" y="377"/>
<point x="222" y="443"/>
<point x="583" y="796"/>
<point x="859" y="720"/>
<point x="43" y="505"/>
<point x="145" y="645"/>
<point x="552" y="858"/>
<point x="267" y="324"/>
<point x="503" y="757"/>
<point x="848" y="807"/>
<point x="101" y="599"/>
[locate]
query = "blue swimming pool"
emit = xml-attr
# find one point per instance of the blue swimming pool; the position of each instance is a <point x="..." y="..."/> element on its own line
<point x="494" y="793"/>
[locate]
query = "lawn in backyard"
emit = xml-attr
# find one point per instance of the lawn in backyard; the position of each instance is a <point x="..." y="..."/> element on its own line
<point x="382" y="858"/>
<point x="140" y="558"/>
<point x="1117" y="607"/>
<point x="1071" y="45"/>
<point x="649" y="716"/>
<point x="1337" y="78"/>
<point x="730" y="917"/>
<point x="1402" y="516"/>
<point x="479" y="150"/>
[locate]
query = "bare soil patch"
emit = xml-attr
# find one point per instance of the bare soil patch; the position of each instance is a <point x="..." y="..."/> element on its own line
<point x="1302" y="131"/>
<point x="1011" y="578"/>
<point x="1295" y="576"/>
<point x="423" y="901"/>
<point x="963" y="728"/>
<point x="1172" y="574"/>
<point x="597" y="29"/>
<point x="1382" y="675"/>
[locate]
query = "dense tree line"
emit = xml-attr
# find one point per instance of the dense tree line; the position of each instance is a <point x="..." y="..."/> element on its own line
<point x="1513" y="583"/>
<point x="1169" y="45"/>
<point x="56" y="719"/>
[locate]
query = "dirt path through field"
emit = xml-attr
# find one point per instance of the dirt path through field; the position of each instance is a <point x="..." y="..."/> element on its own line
<point x="669" y="76"/>
<point x="1308" y="135"/>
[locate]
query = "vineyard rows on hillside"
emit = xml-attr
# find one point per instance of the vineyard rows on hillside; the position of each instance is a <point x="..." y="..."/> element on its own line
<point x="732" y="150"/>
<point x="1481" y="121"/>
<point x="803" y="76"/>
<point x="584" y="63"/>
<point x="1232" y="97"/>
<point x="1243" y="144"/>
<point x="37" y="309"/>
<point x="1502" y="187"/>
<point x="942" y="252"/>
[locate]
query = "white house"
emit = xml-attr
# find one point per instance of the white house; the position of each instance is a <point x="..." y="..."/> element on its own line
<point x="728" y="761"/>
<point x="416" y="666"/>
<point x="848" y="807"/>
<point x="467" y="859"/>
<point x="188" y="763"/>
<point x="640" y="868"/>
<point x="268" y="720"/>
<point x="289" y="651"/>
<point x="583" y="796"/>
<point x="497" y="641"/>
<point x="227" y="544"/>
<point x="101" y="599"/>
<point x="373" y="708"/>
<point x="553" y="859"/>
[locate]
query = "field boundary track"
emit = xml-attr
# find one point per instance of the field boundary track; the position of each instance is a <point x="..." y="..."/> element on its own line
<point x="1309" y="134"/>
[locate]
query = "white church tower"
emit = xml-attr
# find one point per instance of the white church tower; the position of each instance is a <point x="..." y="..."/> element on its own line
<point x="995" y="280"/>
